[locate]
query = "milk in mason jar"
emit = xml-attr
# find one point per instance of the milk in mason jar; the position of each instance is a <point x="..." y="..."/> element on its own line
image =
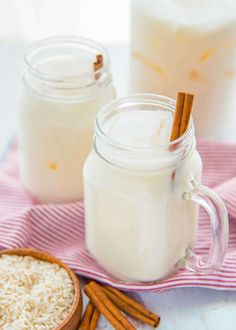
<point x="60" y="98"/>
<point x="188" y="45"/>
<point x="138" y="227"/>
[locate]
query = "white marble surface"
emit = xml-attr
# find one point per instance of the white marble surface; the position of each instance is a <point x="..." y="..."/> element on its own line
<point x="189" y="309"/>
<point x="180" y="309"/>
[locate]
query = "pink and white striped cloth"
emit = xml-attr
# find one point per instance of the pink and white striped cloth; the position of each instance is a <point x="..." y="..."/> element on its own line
<point x="59" y="229"/>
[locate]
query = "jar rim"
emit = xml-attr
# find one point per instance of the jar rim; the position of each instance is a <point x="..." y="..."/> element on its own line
<point x="157" y="100"/>
<point x="43" y="44"/>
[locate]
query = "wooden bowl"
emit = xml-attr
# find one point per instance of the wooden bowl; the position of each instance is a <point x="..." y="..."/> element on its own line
<point x="73" y="318"/>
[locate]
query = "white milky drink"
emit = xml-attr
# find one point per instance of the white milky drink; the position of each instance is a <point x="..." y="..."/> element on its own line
<point x="140" y="212"/>
<point x="188" y="45"/>
<point x="60" y="99"/>
<point x="126" y="199"/>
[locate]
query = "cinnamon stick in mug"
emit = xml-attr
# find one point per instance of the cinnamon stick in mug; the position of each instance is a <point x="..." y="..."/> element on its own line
<point x="186" y="114"/>
<point x="177" y="116"/>
<point x="98" y="65"/>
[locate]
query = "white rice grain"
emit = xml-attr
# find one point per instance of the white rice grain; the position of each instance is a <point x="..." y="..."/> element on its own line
<point x="34" y="294"/>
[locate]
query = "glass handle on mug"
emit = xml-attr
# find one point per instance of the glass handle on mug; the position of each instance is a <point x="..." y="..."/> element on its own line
<point x="217" y="213"/>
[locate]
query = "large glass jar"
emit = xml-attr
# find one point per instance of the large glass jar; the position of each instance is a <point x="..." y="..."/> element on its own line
<point x="188" y="45"/>
<point x="141" y="193"/>
<point x="60" y="99"/>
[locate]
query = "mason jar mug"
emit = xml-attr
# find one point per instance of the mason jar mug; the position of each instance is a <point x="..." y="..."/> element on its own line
<point x="142" y="194"/>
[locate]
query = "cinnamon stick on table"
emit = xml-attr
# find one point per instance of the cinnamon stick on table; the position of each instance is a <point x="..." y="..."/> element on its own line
<point x="85" y="323"/>
<point x="90" y="318"/>
<point x="94" y="319"/>
<point x="131" y="307"/>
<point x="107" y="307"/>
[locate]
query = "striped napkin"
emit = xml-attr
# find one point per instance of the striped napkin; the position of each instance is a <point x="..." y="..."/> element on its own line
<point x="59" y="229"/>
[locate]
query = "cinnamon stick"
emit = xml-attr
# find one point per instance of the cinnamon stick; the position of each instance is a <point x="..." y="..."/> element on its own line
<point x="177" y="116"/>
<point x="134" y="304"/>
<point x="98" y="65"/>
<point x="85" y="323"/>
<point x="94" y="319"/>
<point x="131" y="307"/>
<point x="107" y="307"/>
<point x="99" y="58"/>
<point x="187" y="109"/>
<point x="182" y="116"/>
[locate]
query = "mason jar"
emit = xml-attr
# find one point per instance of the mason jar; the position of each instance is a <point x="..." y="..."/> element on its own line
<point x="142" y="193"/>
<point x="62" y="92"/>
<point x="189" y="44"/>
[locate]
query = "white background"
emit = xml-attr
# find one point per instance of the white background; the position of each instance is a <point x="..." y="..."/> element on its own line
<point x="106" y="21"/>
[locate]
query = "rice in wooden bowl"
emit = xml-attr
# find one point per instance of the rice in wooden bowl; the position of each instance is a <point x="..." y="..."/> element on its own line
<point x="37" y="291"/>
